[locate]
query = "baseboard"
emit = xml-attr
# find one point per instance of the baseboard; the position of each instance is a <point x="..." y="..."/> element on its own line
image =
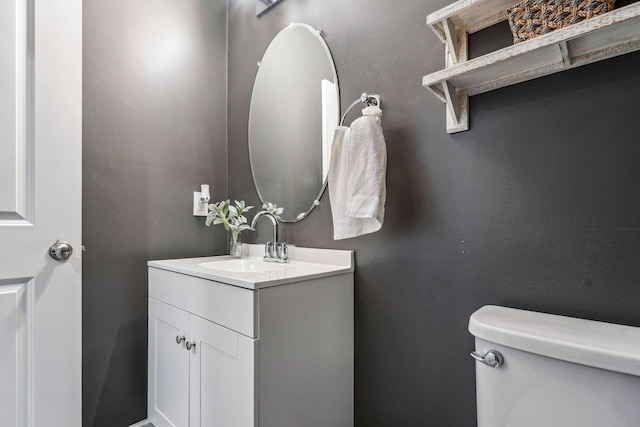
<point x="143" y="423"/>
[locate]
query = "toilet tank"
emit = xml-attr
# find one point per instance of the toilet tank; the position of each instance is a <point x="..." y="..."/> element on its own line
<point x="555" y="371"/>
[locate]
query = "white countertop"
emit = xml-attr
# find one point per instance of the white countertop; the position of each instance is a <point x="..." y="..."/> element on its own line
<point x="305" y="264"/>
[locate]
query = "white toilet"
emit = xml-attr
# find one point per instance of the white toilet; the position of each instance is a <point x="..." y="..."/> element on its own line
<point x="542" y="370"/>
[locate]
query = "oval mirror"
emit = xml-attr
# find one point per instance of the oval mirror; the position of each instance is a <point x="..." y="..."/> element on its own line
<point x="294" y="110"/>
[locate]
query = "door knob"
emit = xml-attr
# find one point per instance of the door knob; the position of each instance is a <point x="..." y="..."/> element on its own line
<point x="190" y="345"/>
<point x="60" y="251"/>
<point x="179" y="339"/>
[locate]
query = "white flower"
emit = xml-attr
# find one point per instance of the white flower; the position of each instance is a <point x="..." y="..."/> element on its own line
<point x="273" y="209"/>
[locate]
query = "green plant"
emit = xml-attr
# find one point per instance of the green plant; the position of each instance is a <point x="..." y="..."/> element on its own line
<point x="230" y="216"/>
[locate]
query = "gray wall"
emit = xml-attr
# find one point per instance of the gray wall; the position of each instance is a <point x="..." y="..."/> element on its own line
<point x="535" y="207"/>
<point x="154" y="130"/>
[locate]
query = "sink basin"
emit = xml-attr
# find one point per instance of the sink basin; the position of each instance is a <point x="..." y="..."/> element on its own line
<point x="243" y="266"/>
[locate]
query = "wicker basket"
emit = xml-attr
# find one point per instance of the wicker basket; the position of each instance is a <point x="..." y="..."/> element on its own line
<point x="531" y="18"/>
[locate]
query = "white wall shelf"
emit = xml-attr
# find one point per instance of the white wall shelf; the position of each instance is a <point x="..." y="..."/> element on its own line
<point x="611" y="34"/>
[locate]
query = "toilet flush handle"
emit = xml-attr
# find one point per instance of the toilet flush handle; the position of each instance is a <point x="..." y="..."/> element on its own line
<point x="491" y="358"/>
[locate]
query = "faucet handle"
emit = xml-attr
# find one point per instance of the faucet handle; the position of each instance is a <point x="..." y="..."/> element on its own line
<point x="268" y="250"/>
<point x="283" y="252"/>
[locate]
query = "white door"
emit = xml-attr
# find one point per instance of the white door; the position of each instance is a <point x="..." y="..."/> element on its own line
<point x="40" y="202"/>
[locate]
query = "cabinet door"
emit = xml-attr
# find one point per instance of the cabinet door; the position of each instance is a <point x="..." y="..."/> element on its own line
<point x="222" y="376"/>
<point x="168" y="365"/>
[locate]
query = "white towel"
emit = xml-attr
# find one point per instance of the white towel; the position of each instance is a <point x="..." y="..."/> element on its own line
<point x="357" y="173"/>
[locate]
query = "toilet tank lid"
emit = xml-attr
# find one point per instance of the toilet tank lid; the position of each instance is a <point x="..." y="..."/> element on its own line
<point x="587" y="342"/>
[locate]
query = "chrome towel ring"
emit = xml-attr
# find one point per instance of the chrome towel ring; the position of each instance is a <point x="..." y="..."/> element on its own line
<point x="370" y="100"/>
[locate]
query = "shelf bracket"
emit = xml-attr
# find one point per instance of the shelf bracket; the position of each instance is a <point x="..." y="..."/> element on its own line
<point x="455" y="52"/>
<point x="456" y="46"/>
<point x="438" y="30"/>
<point x="564" y="52"/>
<point x="457" y="109"/>
<point x="457" y="101"/>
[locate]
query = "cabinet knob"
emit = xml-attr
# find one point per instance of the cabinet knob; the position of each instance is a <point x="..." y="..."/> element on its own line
<point x="179" y="339"/>
<point x="190" y="345"/>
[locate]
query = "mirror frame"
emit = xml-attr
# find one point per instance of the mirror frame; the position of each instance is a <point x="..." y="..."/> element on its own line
<point x="263" y="6"/>
<point x="316" y="201"/>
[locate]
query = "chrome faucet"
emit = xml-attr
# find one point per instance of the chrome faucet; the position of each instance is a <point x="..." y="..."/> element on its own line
<point x="273" y="251"/>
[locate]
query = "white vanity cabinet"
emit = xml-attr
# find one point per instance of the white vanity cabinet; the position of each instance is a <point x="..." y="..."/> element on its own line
<point x="268" y="351"/>
<point x="209" y="384"/>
